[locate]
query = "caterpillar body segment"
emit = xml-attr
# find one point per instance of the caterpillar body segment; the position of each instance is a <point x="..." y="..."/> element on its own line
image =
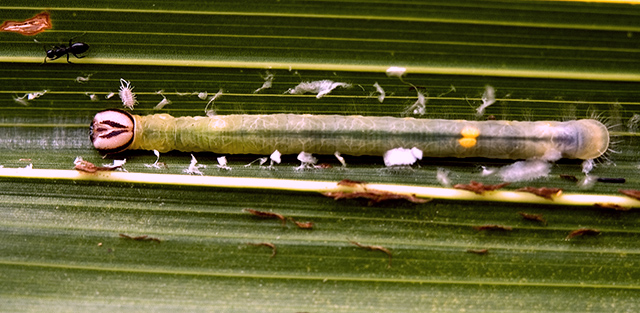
<point x="353" y="135"/>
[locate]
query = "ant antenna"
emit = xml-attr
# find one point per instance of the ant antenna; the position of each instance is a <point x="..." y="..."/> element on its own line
<point x="72" y="38"/>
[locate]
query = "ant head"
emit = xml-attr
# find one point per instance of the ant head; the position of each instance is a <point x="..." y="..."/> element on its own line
<point x="51" y="53"/>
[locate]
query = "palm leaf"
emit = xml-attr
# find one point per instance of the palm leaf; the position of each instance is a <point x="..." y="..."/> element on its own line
<point x="61" y="248"/>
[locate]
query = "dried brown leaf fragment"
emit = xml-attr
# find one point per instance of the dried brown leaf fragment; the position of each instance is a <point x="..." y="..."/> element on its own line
<point x="374" y="248"/>
<point x="265" y="244"/>
<point x="570" y="178"/>
<point x="631" y="193"/>
<point x="265" y="214"/>
<point x="582" y="232"/>
<point x="544" y="192"/>
<point x="375" y="196"/>
<point x="611" y="206"/>
<point x="533" y="217"/>
<point x="86" y="166"/>
<point x="479" y="188"/>
<point x="140" y="238"/>
<point x="302" y="225"/>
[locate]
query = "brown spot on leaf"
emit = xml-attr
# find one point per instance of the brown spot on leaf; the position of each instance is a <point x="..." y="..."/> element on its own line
<point x="570" y="178"/>
<point x="374" y="248"/>
<point x="265" y="244"/>
<point x="302" y="225"/>
<point x="611" y="206"/>
<point x="582" y="232"/>
<point x="375" y="196"/>
<point x="544" y="192"/>
<point x="265" y="214"/>
<point x="88" y="167"/>
<point x="140" y="238"/>
<point x="479" y="188"/>
<point x="533" y="217"/>
<point x="632" y="193"/>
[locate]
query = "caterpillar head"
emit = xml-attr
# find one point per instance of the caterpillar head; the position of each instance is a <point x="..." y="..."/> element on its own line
<point x="112" y="131"/>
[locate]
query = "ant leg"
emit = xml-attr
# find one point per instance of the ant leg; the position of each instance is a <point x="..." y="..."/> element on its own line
<point x="79" y="57"/>
<point x="45" y="57"/>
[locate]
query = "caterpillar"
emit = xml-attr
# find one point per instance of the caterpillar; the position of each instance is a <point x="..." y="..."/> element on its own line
<point x="115" y="130"/>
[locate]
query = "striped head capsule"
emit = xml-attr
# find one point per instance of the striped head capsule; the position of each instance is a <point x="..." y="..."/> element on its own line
<point x="112" y="131"/>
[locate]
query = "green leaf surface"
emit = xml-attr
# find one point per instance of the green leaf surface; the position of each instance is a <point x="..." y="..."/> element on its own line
<point x="60" y="243"/>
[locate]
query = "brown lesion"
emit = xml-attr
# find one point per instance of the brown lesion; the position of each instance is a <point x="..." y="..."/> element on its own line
<point x="631" y="193"/>
<point x="544" y="192"/>
<point x="570" y="178"/>
<point x="302" y="225"/>
<point x="533" y="217"/>
<point x="265" y="244"/>
<point x="112" y="131"/>
<point x="267" y="215"/>
<point x="374" y="248"/>
<point x="611" y="206"/>
<point x="88" y="167"/>
<point x="139" y="238"/>
<point x="374" y="196"/>
<point x="479" y="188"/>
<point x="582" y="232"/>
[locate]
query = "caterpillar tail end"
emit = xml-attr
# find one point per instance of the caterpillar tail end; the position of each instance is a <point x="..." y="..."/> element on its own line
<point x="112" y="131"/>
<point x="595" y="140"/>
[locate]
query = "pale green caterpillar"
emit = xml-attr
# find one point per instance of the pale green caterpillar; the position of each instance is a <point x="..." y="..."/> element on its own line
<point x="115" y="130"/>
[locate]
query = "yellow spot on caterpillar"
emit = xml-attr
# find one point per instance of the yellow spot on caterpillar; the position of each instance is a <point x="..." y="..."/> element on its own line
<point x="467" y="142"/>
<point x="469" y="135"/>
<point x="470" y="132"/>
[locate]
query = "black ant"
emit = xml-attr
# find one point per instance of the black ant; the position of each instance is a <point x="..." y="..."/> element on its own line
<point x="73" y="48"/>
